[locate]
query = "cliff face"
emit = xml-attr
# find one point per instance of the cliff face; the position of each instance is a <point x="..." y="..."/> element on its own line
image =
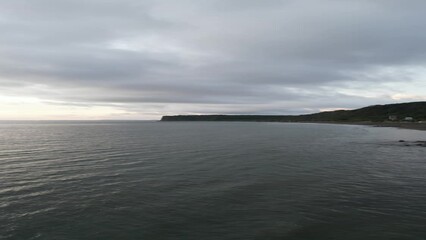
<point x="376" y="113"/>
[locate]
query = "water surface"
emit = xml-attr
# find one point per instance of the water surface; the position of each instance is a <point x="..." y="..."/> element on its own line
<point x="210" y="180"/>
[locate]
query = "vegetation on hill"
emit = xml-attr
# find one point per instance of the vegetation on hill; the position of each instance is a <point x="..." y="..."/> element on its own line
<point x="376" y="113"/>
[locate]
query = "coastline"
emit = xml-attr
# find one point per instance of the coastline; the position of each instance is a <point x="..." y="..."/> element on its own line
<point x="402" y="125"/>
<point x="397" y="115"/>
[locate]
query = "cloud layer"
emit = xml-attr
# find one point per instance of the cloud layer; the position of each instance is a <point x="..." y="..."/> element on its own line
<point x="142" y="59"/>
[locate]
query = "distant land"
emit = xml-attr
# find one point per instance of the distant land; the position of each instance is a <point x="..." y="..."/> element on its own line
<point x="389" y="113"/>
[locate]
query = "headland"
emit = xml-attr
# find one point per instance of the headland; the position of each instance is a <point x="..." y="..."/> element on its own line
<point x="410" y="115"/>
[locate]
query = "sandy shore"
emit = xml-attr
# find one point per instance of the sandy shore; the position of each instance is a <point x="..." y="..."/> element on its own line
<point x="405" y="125"/>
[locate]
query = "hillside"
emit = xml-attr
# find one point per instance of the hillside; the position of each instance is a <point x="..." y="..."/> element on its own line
<point x="376" y="113"/>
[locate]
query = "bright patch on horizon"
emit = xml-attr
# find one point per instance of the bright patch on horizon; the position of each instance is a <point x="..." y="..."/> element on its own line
<point x="26" y="108"/>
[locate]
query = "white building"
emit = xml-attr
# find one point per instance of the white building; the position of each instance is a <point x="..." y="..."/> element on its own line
<point x="393" y="117"/>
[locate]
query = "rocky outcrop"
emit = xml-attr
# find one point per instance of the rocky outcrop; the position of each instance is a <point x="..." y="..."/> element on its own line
<point x="413" y="143"/>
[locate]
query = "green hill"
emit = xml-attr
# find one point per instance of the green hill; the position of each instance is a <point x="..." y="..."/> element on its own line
<point x="376" y="113"/>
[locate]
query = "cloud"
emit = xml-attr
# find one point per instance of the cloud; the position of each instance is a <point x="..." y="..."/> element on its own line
<point x="213" y="56"/>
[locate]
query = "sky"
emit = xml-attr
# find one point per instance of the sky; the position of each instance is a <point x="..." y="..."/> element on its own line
<point x="133" y="59"/>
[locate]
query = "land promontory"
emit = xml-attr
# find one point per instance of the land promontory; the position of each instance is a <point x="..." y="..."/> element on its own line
<point x="393" y="114"/>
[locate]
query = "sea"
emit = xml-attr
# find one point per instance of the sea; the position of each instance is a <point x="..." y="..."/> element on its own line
<point x="78" y="180"/>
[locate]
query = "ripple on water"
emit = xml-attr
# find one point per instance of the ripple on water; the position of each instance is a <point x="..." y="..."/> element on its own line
<point x="210" y="181"/>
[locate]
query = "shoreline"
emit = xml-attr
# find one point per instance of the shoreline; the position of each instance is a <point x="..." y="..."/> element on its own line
<point x="401" y="125"/>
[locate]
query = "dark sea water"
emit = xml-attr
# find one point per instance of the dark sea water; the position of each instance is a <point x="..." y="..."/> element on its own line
<point x="210" y="180"/>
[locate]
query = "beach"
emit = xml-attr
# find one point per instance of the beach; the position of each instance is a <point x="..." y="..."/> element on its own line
<point x="404" y="125"/>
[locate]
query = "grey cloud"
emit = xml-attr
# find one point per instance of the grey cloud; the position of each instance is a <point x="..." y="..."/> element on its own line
<point x="288" y="55"/>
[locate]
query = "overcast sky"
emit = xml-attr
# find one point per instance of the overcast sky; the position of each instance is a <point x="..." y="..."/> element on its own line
<point x="133" y="59"/>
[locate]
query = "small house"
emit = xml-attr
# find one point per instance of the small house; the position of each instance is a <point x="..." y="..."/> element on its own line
<point x="393" y="118"/>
